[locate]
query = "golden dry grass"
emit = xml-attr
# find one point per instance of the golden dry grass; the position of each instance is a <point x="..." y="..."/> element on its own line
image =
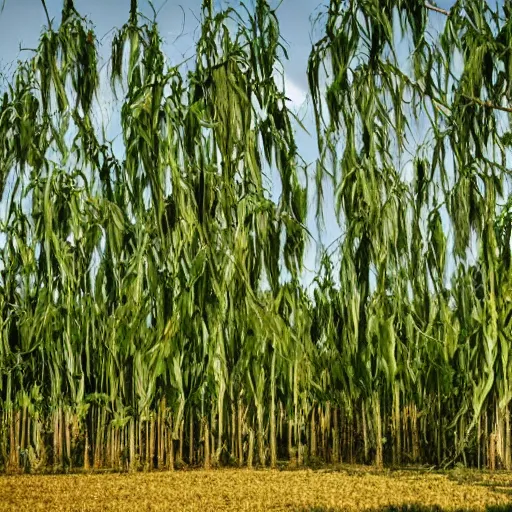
<point x="219" y="490"/>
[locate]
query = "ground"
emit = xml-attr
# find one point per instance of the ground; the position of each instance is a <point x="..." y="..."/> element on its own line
<point x="334" y="489"/>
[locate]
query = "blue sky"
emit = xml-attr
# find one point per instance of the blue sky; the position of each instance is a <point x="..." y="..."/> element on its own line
<point x="21" y="22"/>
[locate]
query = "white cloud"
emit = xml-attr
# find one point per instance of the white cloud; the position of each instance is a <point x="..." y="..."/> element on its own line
<point x="296" y="94"/>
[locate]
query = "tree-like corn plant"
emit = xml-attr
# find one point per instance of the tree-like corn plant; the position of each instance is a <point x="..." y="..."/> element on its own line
<point x="153" y="311"/>
<point x="411" y="106"/>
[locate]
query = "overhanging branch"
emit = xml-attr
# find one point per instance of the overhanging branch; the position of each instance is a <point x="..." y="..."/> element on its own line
<point x="437" y="9"/>
<point x="488" y="104"/>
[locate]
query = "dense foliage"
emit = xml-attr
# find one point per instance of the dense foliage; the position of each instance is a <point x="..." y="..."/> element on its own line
<point x="152" y="305"/>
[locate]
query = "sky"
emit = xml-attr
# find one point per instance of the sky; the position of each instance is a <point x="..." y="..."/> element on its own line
<point x="21" y="22"/>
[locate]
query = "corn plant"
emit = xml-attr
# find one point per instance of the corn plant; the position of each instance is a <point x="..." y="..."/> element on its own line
<point x="153" y="306"/>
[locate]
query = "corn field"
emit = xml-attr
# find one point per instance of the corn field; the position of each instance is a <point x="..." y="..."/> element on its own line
<point x="153" y="306"/>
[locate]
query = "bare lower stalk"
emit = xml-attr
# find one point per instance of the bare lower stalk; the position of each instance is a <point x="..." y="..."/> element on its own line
<point x="160" y="435"/>
<point x="152" y="443"/>
<point x="170" y="447"/>
<point x="233" y="431"/>
<point x="492" y="451"/>
<point x="191" y="439"/>
<point x="146" y="457"/>
<point x="23" y="427"/>
<point x="326" y="428"/>
<point x="500" y="435"/>
<point x="97" y="441"/>
<point x="397" y="445"/>
<point x="239" y="433"/>
<point x="206" y="440"/>
<point x="67" y="433"/>
<point x="291" y="451"/>
<point x="220" y="424"/>
<point x="182" y="441"/>
<point x="378" y="431"/>
<point x="57" y="439"/>
<point x="273" y="439"/>
<point x="13" y="451"/>
<point x="508" y="439"/>
<point x="479" y="443"/>
<point x="87" y="463"/>
<point x="250" y="454"/>
<point x="415" y="433"/>
<point x="261" y="442"/>
<point x="131" y="434"/>
<point x="110" y="455"/>
<point x="140" y="444"/>
<point x="336" y="437"/>
<point x="313" y="432"/>
<point x="365" y="433"/>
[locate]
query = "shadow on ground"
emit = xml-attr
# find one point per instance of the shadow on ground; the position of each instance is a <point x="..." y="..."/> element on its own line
<point x="413" y="508"/>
